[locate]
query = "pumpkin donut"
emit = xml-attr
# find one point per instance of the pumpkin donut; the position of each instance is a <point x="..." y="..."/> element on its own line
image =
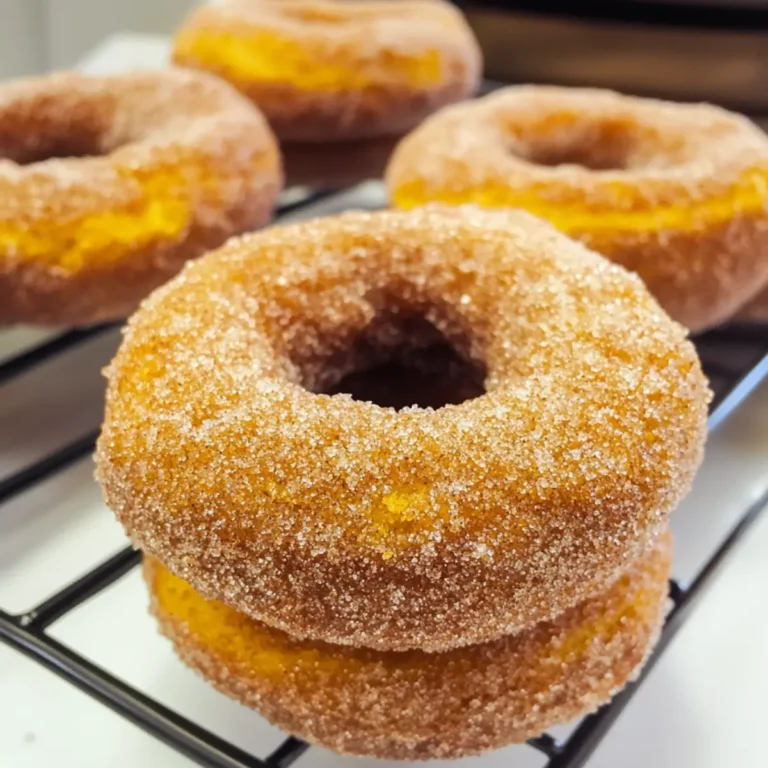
<point x="677" y="193"/>
<point x="414" y="705"/>
<point x="109" y="184"/>
<point x="341" y="520"/>
<point x="329" y="70"/>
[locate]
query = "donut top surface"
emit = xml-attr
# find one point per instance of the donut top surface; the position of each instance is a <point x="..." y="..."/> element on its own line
<point x="327" y="45"/>
<point x="587" y="160"/>
<point x="91" y="166"/>
<point x="340" y="519"/>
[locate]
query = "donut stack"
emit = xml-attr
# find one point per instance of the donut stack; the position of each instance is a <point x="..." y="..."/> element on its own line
<point x="416" y="583"/>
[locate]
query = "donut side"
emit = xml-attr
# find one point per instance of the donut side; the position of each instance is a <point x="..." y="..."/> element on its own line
<point x="416" y="705"/>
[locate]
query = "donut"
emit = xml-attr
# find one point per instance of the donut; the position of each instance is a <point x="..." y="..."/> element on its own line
<point x="326" y="70"/>
<point x="677" y="193"/>
<point x="109" y="184"/>
<point x="413" y="705"/>
<point x="229" y="454"/>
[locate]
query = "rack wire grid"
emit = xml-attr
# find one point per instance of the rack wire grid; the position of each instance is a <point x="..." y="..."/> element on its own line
<point x="735" y="359"/>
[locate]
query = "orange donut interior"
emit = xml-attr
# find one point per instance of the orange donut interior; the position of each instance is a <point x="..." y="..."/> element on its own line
<point x="267" y="56"/>
<point x="253" y="649"/>
<point x="155" y="211"/>
<point x="745" y="195"/>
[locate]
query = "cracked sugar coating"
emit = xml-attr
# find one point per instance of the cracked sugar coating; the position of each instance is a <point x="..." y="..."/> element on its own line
<point x="413" y="705"/>
<point x="677" y="193"/>
<point x="337" y="519"/>
<point x="109" y="184"/>
<point x="327" y="70"/>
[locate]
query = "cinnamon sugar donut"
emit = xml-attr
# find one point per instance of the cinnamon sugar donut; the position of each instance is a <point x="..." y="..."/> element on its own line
<point x="414" y="705"/>
<point x="677" y="193"/>
<point x="109" y="184"/>
<point x="342" y="520"/>
<point x="324" y="70"/>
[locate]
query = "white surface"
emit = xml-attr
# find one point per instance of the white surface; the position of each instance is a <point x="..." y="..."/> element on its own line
<point x="23" y="49"/>
<point x="704" y="706"/>
<point x="38" y="35"/>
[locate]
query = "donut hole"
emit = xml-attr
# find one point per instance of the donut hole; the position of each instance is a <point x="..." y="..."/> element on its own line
<point x="63" y="150"/>
<point x="597" y="146"/>
<point x="593" y="158"/>
<point x="406" y="361"/>
<point x="28" y="139"/>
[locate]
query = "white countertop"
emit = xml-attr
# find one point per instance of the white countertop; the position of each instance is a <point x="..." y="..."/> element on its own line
<point x="703" y="706"/>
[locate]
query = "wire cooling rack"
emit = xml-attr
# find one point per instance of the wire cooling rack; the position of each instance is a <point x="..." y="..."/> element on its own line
<point x="735" y="358"/>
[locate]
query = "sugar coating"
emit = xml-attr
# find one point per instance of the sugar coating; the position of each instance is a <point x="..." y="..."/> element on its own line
<point x="327" y="70"/>
<point x="413" y="705"/>
<point x="148" y="169"/>
<point x="337" y="519"/>
<point x="677" y="193"/>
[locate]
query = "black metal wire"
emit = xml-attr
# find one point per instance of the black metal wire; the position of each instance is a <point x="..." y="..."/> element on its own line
<point x="46" y="467"/>
<point x="21" y="363"/>
<point x="590" y="732"/>
<point x="26" y="632"/>
<point x="176" y="731"/>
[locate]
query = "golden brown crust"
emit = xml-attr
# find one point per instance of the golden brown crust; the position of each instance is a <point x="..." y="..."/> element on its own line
<point x="151" y="170"/>
<point x="340" y="520"/>
<point x="415" y="705"/>
<point x="677" y="193"/>
<point x="324" y="70"/>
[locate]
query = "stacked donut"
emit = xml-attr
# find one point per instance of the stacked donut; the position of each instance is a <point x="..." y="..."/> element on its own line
<point x="414" y="583"/>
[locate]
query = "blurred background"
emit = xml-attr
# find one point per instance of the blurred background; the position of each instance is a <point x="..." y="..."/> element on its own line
<point x="38" y="35"/>
<point x="648" y="47"/>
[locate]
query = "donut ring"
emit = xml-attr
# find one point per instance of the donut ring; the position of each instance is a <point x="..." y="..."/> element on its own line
<point x="324" y="70"/>
<point x="109" y="184"/>
<point x="340" y="520"/>
<point x="415" y="705"/>
<point x="677" y="193"/>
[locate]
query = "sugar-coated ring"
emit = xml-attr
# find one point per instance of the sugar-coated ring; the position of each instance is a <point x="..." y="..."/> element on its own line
<point x="338" y="519"/>
<point x="413" y="705"/>
<point x="109" y="184"/>
<point x="677" y="193"/>
<point x="325" y="70"/>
